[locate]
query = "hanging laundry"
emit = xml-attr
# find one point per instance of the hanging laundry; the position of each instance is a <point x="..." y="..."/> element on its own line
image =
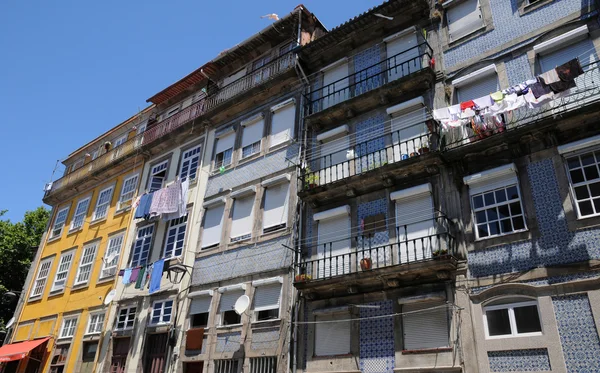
<point x="134" y="274"/>
<point x="550" y="77"/>
<point x="454" y="111"/>
<point x="497" y="96"/>
<point x="439" y="114"/>
<point x="156" y="198"/>
<point x="143" y="208"/>
<point x="157" y="271"/>
<point x="570" y="70"/>
<point x="146" y="280"/>
<point x="182" y="203"/>
<point x="127" y="276"/>
<point x="483" y="102"/>
<point x="140" y="279"/>
<point x="121" y="272"/>
<point x="467" y="105"/>
<point x="514" y="101"/>
<point x="535" y="102"/>
<point x="540" y="89"/>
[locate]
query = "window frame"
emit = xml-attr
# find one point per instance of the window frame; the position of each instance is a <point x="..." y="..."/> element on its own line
<point x="256" y="310"/>
<point x="82" y="214"/>
<point x="512" y="320"/>
<point x="450" y="4"/>
<point x="177" y="227"/>
<point x="162" y="314"/>
<point x="73" y="327"/>
<point x="54" y="235"/>
<point x="122" y="201"/>
<point x="190" y="160"/>
<point x="333" y="316"/>
<point x="497" y="205"/>
<point x="152" y="174"/>
<point x="77" y="281"/>
<point x="105" y="265"/>
<point x="595" y="151"/>
<point x="106" y="204"/>
<point x="130" y="311"/>
<point x="139" y="261"/>
<point x="53" y="288"/>
<point x="37" y="278"/>
<point x="89" y="323"/>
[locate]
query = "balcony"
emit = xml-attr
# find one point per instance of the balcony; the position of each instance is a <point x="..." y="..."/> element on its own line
<point x="147" y="140"/>
<point x="405" y="145"/>
<point x="408" y="71"/>
<point x="420" y="248"/>
<point x="511" y="125"/>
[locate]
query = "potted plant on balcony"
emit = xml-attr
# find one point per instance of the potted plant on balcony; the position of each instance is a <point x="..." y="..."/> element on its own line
<point x="366" y="264"/>
<point x="301" y="277"/>
<point x="312" y="179"/>
<point x="424" y="146"/>
<point x="439" y="252"/>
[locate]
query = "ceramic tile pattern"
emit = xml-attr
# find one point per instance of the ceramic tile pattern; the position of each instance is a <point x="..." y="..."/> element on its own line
<point x="510" y="25"/>
<point x="547" y="281"/>
<point x="518" y="70"/>
<point x="519" y="360"/>
<point x="377" y="351"/>
<point x="369" y="76"/>
<point x="556" y="244"/>
<point x="369" y="139"/>
<point x="578" y="334"/>
<point x="246" y="260"/>
<point x="378" y="206"/>
<point x="228" y="342"/>
<point x="265" y="339"/>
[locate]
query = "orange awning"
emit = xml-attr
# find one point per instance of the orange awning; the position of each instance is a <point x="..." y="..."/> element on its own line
<point x="17" y="351"/>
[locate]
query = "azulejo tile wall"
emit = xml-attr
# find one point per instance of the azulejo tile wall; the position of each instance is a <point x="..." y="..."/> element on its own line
<point x="377" y="352"/>
<point x="376" y="207"/>
<point x="366" y="64"/>
<point x="532" y="360"/>
<point x="556" y="244"/>
<point x="369" y="140"/>
<point x="547" y="281"/>
<point x="265" y="339"/>
<point x="228" y="342"/>
<point x="578" y="334"/>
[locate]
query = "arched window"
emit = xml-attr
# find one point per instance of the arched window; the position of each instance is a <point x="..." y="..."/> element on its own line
<point x="507" y="317"/>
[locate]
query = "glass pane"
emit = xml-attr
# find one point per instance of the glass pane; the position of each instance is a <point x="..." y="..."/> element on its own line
<point x="588" y="159"/>
<point x="503" y="211"/>
<point x="528" y="319"/>
<point x="489" y="198"/>
<point x="492" y="214"/>
<point x="597" y="205"/>
<point x="480" y="217"/>
<point x="573" y="162"/>
<point x="512" y="192"/>
<point x="585" y="208"/>
<point x="477" y="202"/>
<point x="581" y="192"/>
<point x="595" y="189"/>
<point x="577" y="176"/>
<point x="494" y="228"/>
<point x="506" y="225"/>
<point x="500" y="195"/>
<point x="482" y="229"/>
<point x="498" y="322"/>
<point x="515" y="208"/>
<point x="591" y="172"/>
<point x="518" y="223"/>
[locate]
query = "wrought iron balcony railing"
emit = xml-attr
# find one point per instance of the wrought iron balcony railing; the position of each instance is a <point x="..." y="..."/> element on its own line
<point x="196" y="110"/>
<point x="373" y="153"/>
<point x="585" y="93"/>
<point x="416" y="242"/>
<point x="393" y="68"/>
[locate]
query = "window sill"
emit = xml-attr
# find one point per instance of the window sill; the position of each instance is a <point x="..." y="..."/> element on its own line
<point x="63" y="339"/>
<point x="76" y="230"/>
<point x="54" y="293"/>
<point x="122" y="211"/>
<point x="508" y="336"/>
<point x="531" y="7"/>
<point x="106" y="279"/>
<point x="249" y="158"/>
<point x="55" y="238"/>
<point x="277" y="231"/>
<point x="209" y="249"/>
<point x="280" y="146"/>
<point x="217" y="172"/>
<point x="229" y="327"/>
<point x="265" y="322"/>
<point x="241" y="240"/>
<point x="317" y="357"/>
<point x="34" y="299"/>
<point x="97" y="221"/>
<point x="83" y="285"/>
<point x="427" y="351"/>
<point x="486" y="242"/>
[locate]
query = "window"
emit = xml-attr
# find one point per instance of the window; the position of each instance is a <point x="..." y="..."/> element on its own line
<point x="584" y="176"/>
<point x="111" y="256"/>
<point x="425" y="325"/>
<point x="286" y="48"/>
<point x="126" y="318"/>
<point x="477" y="84"/>
<point x="335" y="83"/>
<point x="224" y="150"/>
<point x="332" y="338"/>
<point x="59" y="222"/>
<point x="275" y="214"/>
<point x="214" y="214"/>
<point x="128" y="191"/>
<point x="496" y="202"/>
<point x="241" y="222"/>
<point x="68" y="327"/>
<point x="88" y="356"/>
<point x="282" y="122"/>
<point x="175" y="237"/>
<point x="64" y="264"/>
<point x="86" y="264"/>
<point x="80" y="213"/>
<point x="59" y="359"/>
<point x="227" y="366"/>
<point x="334" y="148"/>
<point x="141" y="246"/>
<point x="199" y="311"/>
<point x="189" y="163"/>
<point x="514" y="318"/>
<point x="267" y="298"/>
<point x="267" y="364"/>
<point x="78" y="163"/>
<point x="333" y="240"/>
<point x="102" y="204"/>
<point x="158" y="173"/>
<point x="161" y="312"/>
<point x="464" y="19"/>
<point x="409" y="131"/>
<point x="227" y="314"/>
<point x="95" y="323"/>
<point x="120" y="141"/>
<point x="251" y="136"/>
<point x="95" y="154"/>
<point x="261" y="74"/>
<point x="40" y="281"/>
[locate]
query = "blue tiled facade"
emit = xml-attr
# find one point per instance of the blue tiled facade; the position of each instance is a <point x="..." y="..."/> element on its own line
<point x="547" y="281"/>
<point x="369" y="139"/>
<point x="518" y="70"/>
<point x="377" y="352"/>
<point x="376" y="207"/>
<point x="509" y="24"/>
<point x="228" y="342"/>
<point x="532" y="360"/>
<point x="556" y="244"/>
<point x="265" y="339"/>
<point x="366" y="64"/>
<point x="578" y="334"/>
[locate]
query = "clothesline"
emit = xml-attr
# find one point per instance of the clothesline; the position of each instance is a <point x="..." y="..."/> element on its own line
<point x="146" y="275"/>
<point x="168" y="203"/>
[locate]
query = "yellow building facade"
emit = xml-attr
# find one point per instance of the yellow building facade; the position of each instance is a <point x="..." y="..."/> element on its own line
<point x="64" y="302"/>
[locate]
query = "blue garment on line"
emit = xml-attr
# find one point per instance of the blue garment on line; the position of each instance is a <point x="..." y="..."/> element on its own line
<point x="156" y="276"/>
<point x="143" y="209"/>
<point x="127" y="276"/>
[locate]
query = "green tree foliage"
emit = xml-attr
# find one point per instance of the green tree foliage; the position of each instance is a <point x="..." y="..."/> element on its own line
<point x="18" y="245"/>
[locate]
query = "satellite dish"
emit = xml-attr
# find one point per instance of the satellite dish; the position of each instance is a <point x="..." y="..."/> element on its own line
<point x="109" y="297"/>
<point x="10" y="323"/>
<point x="241" y="305"/>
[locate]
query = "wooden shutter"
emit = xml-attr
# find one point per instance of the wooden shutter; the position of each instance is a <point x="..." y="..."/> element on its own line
<point x="282" y="124"/>
<point x="276" y="205"/>
<point x="464" y="18"/>
<point x="267" y="297"/>
<point x="427" y="328"/>
<point x="332" y="338"/>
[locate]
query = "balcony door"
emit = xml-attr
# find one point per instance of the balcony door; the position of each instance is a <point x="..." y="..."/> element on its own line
<point x="335" y="84"/>
<point x="415" y="227"/>
<point x="156" y="353"/>
<point x="334" y="162"/>
<point x="333" y="246"/>
<point x="409" y="132"/>
<point x="402" y="54"/>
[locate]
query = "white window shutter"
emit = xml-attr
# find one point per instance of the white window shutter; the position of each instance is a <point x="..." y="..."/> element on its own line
<point x="584" y="50"/>
<point x="228" y="300"/>
<point x="332" y="338"/>
<point x="416" y="227"/>
<point x="427" y="328"/>
<point x="253" y="132"/>
<point x="276" y="205"/>
<point x="225" y="142"/>
<point x="282" y="125"/>
<point x="402" y="54"/>
<point x="267" y="297"/>
<point x="213" y="225"/>
<point x="241" y="223"/>
<point x="464" y="18"/>
<point x="479" y="88"/>
<point x="334" y="239"/>
<point x="200" y="305"/>
<point x="335" y="85"/>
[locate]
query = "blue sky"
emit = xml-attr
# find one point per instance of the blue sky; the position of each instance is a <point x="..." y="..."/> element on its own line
<point x="71" y="70"/>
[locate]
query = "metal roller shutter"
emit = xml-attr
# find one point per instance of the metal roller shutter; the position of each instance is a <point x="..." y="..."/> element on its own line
<point x="425" y="329"/>
<point x="241" y="223"/>
<point x="334" y="239"/>
<point x="225" y="142"/>
<point x="253" y="132"/>
<point x="464" y="18"/>
<point x="479" y="88"/>
<point x="408" y="126"/>
<point x="334" y="161"/>
<point x="332" y="338"/>
<point x="228" y="300"/>
<point x="584" y="50"/>
<point x="213" y="224"/>
<point x="282" y="125"/>
<point x="338" y="91"/>
<point x="267" y="297"/>
<point x="402" y="56"/>
<point x="200" y="305"/>
<point x="416" y="227"/>
<point x="276" y="205"/>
